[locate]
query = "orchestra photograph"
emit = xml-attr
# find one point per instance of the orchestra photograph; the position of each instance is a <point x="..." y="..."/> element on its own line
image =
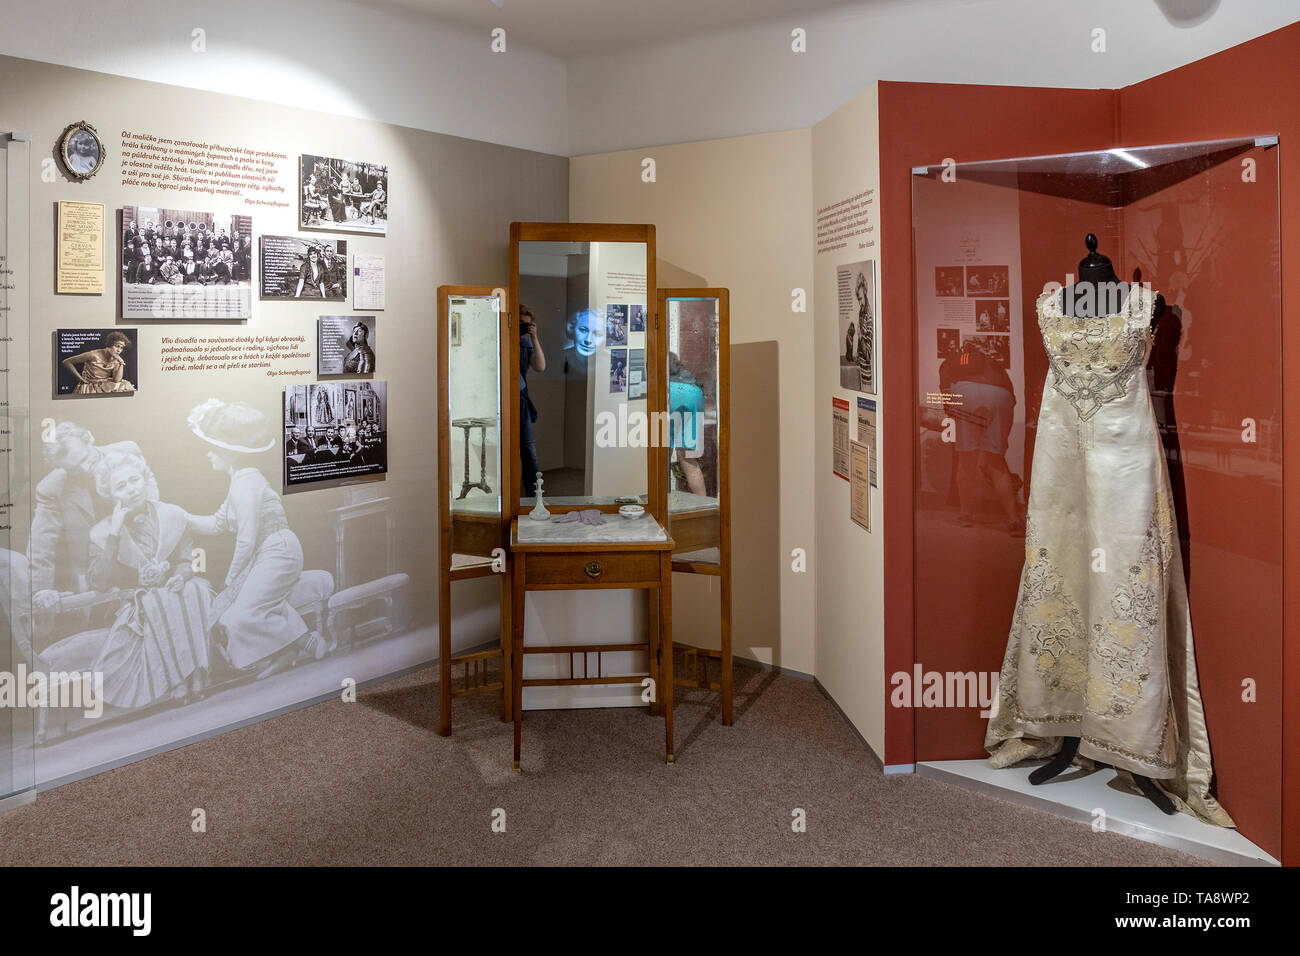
<point x="177" y="263"/>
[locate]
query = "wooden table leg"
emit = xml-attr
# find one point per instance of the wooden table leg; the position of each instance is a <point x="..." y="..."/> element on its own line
<point x="507" y="648"/>
<point x="519" y="574"/>
<point x="444" y="649"/>
<point x="652" y="604"/>
<point x="666" y="644"/>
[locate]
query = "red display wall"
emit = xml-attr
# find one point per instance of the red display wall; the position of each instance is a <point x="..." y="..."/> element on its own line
<point x="1251" y="89"/>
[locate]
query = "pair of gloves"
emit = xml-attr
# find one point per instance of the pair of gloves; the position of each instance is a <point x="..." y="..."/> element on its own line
<point x="591" y="516"/>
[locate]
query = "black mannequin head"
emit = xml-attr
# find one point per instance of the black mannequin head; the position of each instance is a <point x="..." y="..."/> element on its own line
<point x="1094" y="267"/>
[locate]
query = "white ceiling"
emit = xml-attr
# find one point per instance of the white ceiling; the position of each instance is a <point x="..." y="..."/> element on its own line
<point x="572" y="28"/>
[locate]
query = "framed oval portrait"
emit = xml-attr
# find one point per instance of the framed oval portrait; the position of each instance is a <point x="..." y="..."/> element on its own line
<point x="81" y="150"/>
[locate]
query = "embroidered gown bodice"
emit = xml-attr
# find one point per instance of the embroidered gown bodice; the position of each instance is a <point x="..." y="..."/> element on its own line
<point x="1100" y="646"/>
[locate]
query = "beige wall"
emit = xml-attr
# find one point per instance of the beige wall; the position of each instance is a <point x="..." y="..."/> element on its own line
<point x="452" y="201"/>
<point x="850" y="599"/>
<point x="737" y="213"/>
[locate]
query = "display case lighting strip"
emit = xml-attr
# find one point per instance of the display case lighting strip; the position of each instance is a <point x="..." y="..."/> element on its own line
<point x="1129" y="158"/>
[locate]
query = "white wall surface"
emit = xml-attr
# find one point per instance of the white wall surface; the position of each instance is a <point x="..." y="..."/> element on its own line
<point x="850" y="561"/>
<point x="404" y="67"/>
<point x="747" y="80"/>
<point x="361" y="61"/>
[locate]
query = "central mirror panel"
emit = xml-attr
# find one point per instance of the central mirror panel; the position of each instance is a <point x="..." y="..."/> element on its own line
<point x="583" y="384"/>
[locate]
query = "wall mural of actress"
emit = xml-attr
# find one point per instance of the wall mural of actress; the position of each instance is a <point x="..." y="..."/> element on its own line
<point x="262" y="627"/>
<point x="158" y="645"/>
<point x="102" y="371"/>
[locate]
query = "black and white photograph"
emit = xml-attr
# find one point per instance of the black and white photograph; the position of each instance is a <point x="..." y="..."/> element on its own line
<point x="294" y="267"/>
<point x="617" y="371"/>
<point x="636" y="318"/>
<point x="948" y="342"/>
<point x="995" y="347"/>
<point x="182" y="264"/>
<point x="856" y="291"/>
<point x="993" y="316"/>
<point x="616" y="324"/>
<point x="949" y="280"/>
<point x="340" y="195"/>
<point x="335" y="430"/>
<point x="345" y="345"/>
<point x="96" y="362"/>
<point x="987" y="281"/>
<point x="81" y="150"/>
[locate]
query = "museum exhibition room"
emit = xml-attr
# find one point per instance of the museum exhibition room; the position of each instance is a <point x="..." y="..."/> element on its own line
<point x="696" y="433"/>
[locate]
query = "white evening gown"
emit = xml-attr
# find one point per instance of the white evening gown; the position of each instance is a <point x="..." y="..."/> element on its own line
<point x="1101" y="638"/>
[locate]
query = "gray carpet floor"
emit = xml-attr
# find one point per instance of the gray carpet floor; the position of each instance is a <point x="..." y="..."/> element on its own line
<point x="372" y="782"/>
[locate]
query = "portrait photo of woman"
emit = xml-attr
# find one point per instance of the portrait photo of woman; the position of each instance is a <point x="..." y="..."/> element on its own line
<point x="98" y="371"/>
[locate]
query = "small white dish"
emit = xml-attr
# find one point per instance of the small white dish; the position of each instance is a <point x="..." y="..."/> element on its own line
<point x="631" y="511"/>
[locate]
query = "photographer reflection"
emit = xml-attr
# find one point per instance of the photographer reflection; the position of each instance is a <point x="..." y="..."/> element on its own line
<point x="531" y="357"/>
<point x="984" y="421"/>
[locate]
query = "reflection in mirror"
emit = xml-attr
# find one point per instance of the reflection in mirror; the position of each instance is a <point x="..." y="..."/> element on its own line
<point x="473" y="400"/>
<point x="693" y="423"/>
<point x="582" y="371"/>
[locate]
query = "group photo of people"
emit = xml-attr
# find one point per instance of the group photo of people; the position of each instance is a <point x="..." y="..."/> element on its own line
<point x="177" y="263"/>
<point x="334" y="430"/>
<point x="338" y="194"/>
<point x="179" y="247"/>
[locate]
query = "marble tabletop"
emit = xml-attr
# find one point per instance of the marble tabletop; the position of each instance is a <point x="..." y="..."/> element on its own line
<point x="686" y="501"/>
<point x="614" y="530"/>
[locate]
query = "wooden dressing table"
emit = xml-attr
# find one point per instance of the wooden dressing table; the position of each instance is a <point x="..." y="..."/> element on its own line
<point x="590" y="289"/>
<point x="621" y="553"/>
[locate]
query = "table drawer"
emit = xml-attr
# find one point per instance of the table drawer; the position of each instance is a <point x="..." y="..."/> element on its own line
<point x="592" y="569"/>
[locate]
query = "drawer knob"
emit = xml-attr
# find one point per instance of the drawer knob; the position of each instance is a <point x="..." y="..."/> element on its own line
<point x="594" y="569"/>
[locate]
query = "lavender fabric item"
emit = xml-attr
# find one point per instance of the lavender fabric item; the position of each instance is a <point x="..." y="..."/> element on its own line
<point x="590" y="516"/>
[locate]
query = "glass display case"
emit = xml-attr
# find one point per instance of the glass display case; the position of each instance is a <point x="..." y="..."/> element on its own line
<point x="1098" y="519"/>
<point x="18" y="724"/>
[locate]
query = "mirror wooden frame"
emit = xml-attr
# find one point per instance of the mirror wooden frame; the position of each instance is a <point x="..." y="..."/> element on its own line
<point x="656" y="385"/>
<point x="484" y="539"/>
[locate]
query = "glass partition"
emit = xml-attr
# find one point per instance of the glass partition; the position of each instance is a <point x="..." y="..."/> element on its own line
<point x="17" y="655"/>
<point x="1051" y="410"/>
<point x="582" y="371"/>
<point x="694" y="427"/>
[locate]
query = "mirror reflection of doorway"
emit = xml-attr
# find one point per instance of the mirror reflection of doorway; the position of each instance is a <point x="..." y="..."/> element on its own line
<point x="553" y="284"/>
